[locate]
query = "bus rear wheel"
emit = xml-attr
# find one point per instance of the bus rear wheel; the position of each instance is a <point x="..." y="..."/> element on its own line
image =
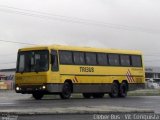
<point x="98" y="95"/>
<point x="66" y="91"/>
<point x="123" y="90"/>
<point x="37" y="96"/>
<point x="114" y="90"/>
<point x="87" y="95"/>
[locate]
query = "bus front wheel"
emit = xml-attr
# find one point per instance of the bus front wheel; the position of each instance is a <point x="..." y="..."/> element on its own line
<point x="37" y="96"/>
<point x="66" y="91"/>
<point x="114" y="90"/>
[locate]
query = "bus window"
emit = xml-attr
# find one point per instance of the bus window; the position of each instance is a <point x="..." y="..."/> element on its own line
<point x="78" y="58"/>
<point x="136" y="61"/>
<point x="54" y="60"/>
<point x="40" y="62"/>
<point x="113" y="59"/>
<point x="125" y="60"/>
<point x="102" y="59"/>
<point x="65" y="57"/>
<point x="33" y="61"/>
<point x="21" y="63"/>
<point x="91" y="59"/>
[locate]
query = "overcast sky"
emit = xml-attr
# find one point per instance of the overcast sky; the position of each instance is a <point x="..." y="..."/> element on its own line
<point x="122" y="24"/>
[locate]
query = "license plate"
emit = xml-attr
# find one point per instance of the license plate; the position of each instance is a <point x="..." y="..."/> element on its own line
<point x="29" y="89"/>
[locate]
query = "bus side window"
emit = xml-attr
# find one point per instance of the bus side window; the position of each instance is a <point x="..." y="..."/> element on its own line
<point x="91" y="58"/>
<point x="114" y="59"/>
<point x="136" y="61"/>
<point x="125" y="60"/>
<point x="54" y="61"/>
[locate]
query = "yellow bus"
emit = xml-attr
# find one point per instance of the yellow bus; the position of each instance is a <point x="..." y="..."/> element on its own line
<point x="64" y="70"/>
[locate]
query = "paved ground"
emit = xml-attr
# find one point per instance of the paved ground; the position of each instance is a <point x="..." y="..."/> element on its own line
<point x="11" y="101"/>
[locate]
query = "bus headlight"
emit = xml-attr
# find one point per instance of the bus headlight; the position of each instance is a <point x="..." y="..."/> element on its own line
<point x="43" y="87"/>
<point x="17" y="88"/>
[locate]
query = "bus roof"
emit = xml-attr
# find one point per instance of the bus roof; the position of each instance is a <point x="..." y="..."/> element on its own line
<point x="78" y="48"/>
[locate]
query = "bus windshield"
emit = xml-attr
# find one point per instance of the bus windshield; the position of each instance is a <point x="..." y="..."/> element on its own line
<point x="33" y="61"/>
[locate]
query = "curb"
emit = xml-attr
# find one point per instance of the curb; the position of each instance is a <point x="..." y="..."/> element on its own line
<point x="74" y="110"/>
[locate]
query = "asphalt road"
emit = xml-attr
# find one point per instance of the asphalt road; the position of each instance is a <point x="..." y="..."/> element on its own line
<point x="19" y="101"/>
<point x="144" y="102"/>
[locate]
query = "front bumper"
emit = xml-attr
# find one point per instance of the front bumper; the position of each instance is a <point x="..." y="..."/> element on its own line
<point x="47" y="88"/>
<point x="30" y="88"/>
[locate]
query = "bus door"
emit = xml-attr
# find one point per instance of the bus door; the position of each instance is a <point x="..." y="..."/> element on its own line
<point x="54" y="67"/>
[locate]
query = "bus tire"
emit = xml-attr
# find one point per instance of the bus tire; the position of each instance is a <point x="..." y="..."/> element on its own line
<point x="66" y="91"/>
<point x="98" y="95"/>
<point x="123" y="90"/>
<point x="87" y="95"/>
<point x="114" y="90"/>
<point x="37" y="96"/>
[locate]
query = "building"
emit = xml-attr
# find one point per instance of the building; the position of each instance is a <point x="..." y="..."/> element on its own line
<point x="7" y="78"/>
<point x="152" y="72"/>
